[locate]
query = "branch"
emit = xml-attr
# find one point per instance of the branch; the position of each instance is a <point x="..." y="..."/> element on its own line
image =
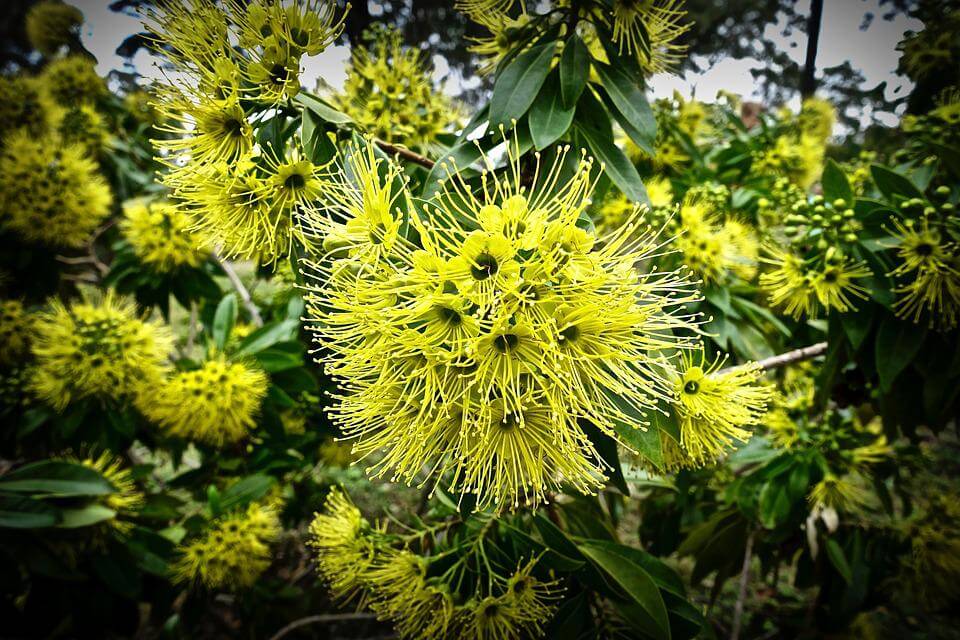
<point x="797" y="355"/>
<point x="406" y="154"/>
<point x="241" y="289"/>
<point x="329" y="617"/>
<point x="742" y="594"/>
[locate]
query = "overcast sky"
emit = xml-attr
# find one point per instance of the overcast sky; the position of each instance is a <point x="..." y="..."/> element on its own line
<point x="870" y="51"/>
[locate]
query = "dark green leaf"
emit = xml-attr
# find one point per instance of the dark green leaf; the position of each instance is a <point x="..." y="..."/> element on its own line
<point x="637" y="584"/>
<point x="839" y="560"/>
<point x="321" y="109"/>
<point x="898" y="341"/>
<point x="631" y="103"/>
<point x="519" y="83"/>
<point x="22" y="512"/>
<point x="58" y="478"/>
<point x="242" y="493"/>
<point x="835" y="184"/>
<point x="549" y="119"/>
<point x="574" y="70"/>
<point x="616" y="164"/>
<point x="893" y="185"/>
<point x="268" y="335"/>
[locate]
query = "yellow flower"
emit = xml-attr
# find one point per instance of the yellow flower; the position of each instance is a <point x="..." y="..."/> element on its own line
<point x="649" y="29"/>
<point x="232" y="553"/>
<point x="480" y="351"/>
<point x="16" y="332"/>
<point x="343" y="541"/>
<point x="101" y="350"/>
<point x="660" y="192"/>
<point x="534" y="600"/>
<point x="161" y="237"/>
<point x="714" y="406"/>
<point x="836" y="283"/>
<point x="139" y="104"/>
<point x="50" y="192"/>
<point x="81" y="124"/>
<point x="790" y="284"/>
<point x="817" y="117"/>
<point x="126" y="499"/>
<point x="799" y="158"/>
<point x="388" y="92"/>
<point x="50" y="24"/>
<point x="844" y="493"/>
<point x="931" y="271"/>
<point x="216" y="404"/>
<point x="72" y="80"/>
<point x="21" y="106"/>
<point x="504" y="35"/>
<point x="401" y="594"/>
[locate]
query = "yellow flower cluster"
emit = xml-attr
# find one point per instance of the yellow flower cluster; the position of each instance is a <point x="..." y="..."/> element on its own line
<point x="22" y="106"/>
<point x="929" y="272"/>
<point x="796" y="157"/>
<point x="16" y="332"/>
<point x="160" y="235"/>
<point x="243" y="195"/>
<point x="801" y="286"/>
<point x="359" y="563"/>
<point x="504" y="30"/>
<point x="101" y="350"/>
<point x="126" y="499"/>
<point x="82" y="125"/>
<point x="72" y="80"/>
<point x="232" y="553"/>
<point x="714" y="405"/>
<point x="390" y="95"/>
<point x="479" y="355"/>
<point x="50" y="192"/>
<point x="817" y="118"/>
<point x="52" y="24"/>
<point x="215" y="404"/>
<point x="712" y="248"/>
<point x="649" y="29"/>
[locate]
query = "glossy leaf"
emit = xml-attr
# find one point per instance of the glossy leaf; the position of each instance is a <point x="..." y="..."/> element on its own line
<point x="898" y="341"/>
<point x="574" y="71"/>
<point x="519" y="83"/>
<point x="631" y="103"/>
<point x="223" y="320"/>
<point x="549" y="119"/>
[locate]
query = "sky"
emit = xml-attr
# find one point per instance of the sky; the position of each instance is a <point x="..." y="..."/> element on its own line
<point x="841" y="39"/>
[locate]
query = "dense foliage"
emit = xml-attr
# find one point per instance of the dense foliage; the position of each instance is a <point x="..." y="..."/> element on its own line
<point x="364" y="361"/>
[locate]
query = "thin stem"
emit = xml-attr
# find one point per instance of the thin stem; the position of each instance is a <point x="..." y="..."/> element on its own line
<point x="787" y="358"/>
<point x="231" y="274"/>
<point x="320" y="619"/>
<point x="406" y="154"/>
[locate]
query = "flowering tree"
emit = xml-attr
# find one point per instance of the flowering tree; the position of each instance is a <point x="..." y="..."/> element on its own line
<point x="558" y="364"/>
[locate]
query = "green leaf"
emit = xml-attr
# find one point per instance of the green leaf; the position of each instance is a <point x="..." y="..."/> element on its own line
<point x="897" y="343"/>
<point x="23" y="512"/>
<point x="616" y="164"/>
<point x="631" y="103"/>
<point x="549" y="119"/>
<point x="268" y="335"/>
<point x="316" y="143"/>
<point x="321" y="109"/>
<point x="607" y="448"/>
<point x="85" y="516"/>
<point x="574" y="71"/>
<point x="839" y="560"/>
<point x="835" y="184"/>
<point x="223" y="320"/>
<point x="637" y="584"/>
<point x="58" y="478"/>
<point x="857" y="324"/>
<point x="274" y="359"/>
<point x="242" y="493"/>
<point x="518" y="84"/>
<point x="894" y="185"/>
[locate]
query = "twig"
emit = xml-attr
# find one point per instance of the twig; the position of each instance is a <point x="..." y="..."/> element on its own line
<point x="241" y="289"/>
<point x="406" y="154"/>
<point x="742" y="595"/>
<point x="319" y="619"/>
<point x="797" y="355"/>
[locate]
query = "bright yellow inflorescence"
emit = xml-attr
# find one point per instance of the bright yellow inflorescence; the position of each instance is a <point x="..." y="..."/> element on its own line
<point x="478" y="355"/>
<point x="648" y="29"/>
<point x="101" y="350"/>
<point x="232" y="553"/>
<point x="160" y="235"/>
<point x="127" y="499"/>
<point x="929" y="272"/>
<point x="16" y="332"/>
<point x="50" y="192"/>
<point x="216" y="404"/>
<point x="82" y="125"/>
<point x="801" y="287"/>
<point x="72" y="80"/>
<point x="50" y="24"/>
<point x="390" y="95"/>
<point x="241" y="194"/>
<point x="360" y="564"/>
<point x="712" y="247"/>
<point x="715" y="406"/>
